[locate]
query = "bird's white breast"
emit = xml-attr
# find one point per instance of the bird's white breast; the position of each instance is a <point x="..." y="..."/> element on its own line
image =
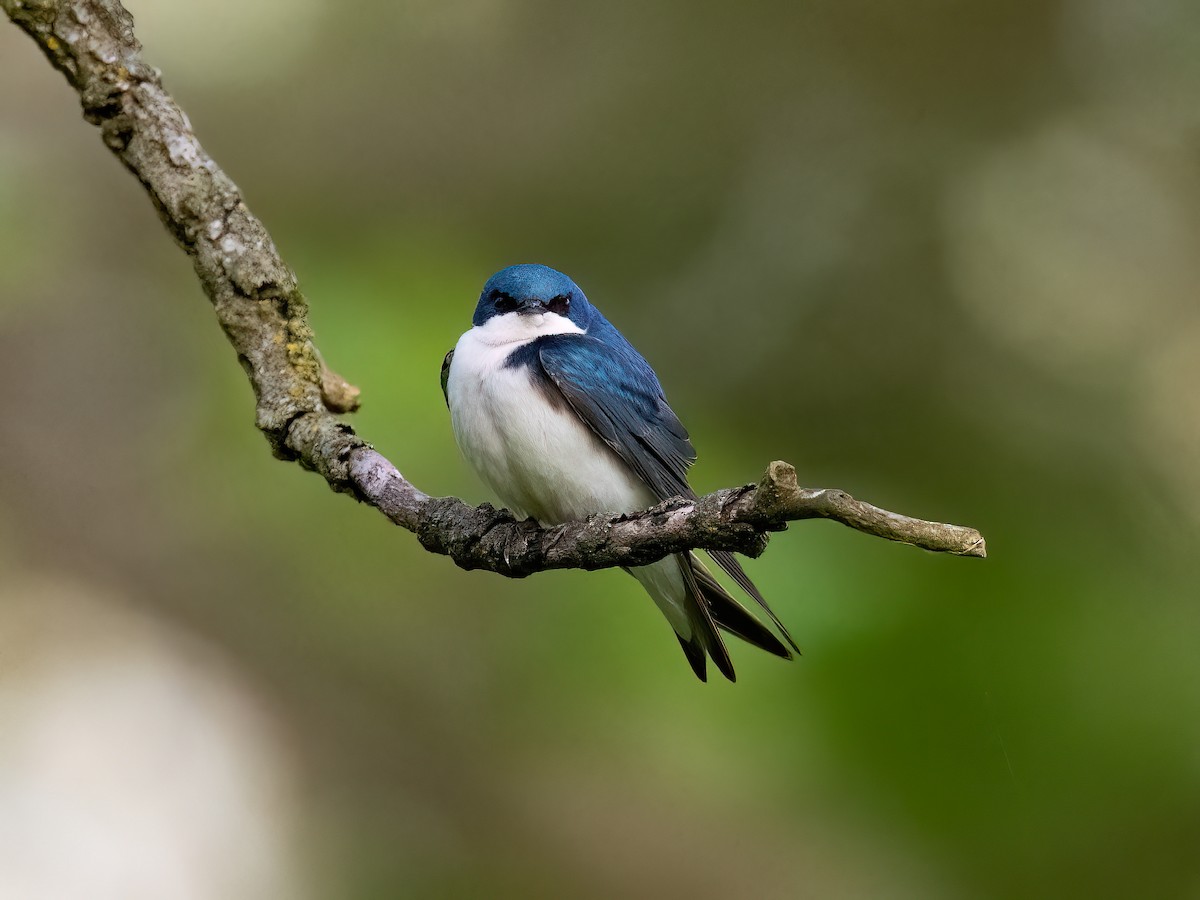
<point x="529" y="446"/>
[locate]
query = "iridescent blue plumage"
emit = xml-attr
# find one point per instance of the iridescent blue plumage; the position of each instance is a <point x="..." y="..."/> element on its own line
<point x="527" y="285"/>
<point x="613" y="390"/>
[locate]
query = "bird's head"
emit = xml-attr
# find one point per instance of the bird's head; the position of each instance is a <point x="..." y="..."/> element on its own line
<point x="533" y="298"/>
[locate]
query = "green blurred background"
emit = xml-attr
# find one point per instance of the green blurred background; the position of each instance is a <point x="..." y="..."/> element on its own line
<point x="941" y="254"/>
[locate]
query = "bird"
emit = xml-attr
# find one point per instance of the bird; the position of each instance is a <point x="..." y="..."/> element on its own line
<point x="562" y="418"/>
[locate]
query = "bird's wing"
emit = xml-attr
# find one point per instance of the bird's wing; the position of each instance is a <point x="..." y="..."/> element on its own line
<point x="614" y="391"/>
<point x="446" y="375"/>
<point x="616" y="394"/>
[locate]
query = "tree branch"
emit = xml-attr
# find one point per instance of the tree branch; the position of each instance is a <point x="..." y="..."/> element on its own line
<point x="259" y="305"/>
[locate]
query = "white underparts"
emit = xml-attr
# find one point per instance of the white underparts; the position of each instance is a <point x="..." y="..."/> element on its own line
<point x="534" y="451"/>
<point x="517" y="329"/>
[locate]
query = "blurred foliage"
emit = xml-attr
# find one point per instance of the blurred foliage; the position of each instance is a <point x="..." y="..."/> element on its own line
<point x="940" y="254"/>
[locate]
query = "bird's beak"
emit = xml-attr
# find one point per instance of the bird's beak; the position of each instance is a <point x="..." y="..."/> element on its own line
<point x="532" y="308"/>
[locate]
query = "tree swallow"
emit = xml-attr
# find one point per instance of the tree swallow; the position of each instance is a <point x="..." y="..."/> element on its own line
<point x="562" y="418"/>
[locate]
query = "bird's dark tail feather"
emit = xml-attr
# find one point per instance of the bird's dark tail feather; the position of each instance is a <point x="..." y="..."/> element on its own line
<point x="712" y="609"/>
<point x="695" y="656"/>
<point x="731" y="616"/>
<point x="733" y="568"/>
<point x="705" y="637"/>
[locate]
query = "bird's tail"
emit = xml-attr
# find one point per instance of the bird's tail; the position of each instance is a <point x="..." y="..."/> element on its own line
<point x="704" y="639"/>
<point x="698" y="609"/>
<point x="733" y="568"/>
<point x="734" y="618"/>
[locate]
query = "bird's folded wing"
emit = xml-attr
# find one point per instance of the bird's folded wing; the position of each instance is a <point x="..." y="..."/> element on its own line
<point x="446" y="375"/>
<point x="616" y="394"/>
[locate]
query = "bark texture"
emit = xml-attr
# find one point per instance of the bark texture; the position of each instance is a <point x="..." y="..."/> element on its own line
<point x="259" y="305"/>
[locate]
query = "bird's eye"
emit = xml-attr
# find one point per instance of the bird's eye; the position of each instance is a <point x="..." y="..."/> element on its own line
<point x="505" y="303"/>
<point x="560" y="304"/>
